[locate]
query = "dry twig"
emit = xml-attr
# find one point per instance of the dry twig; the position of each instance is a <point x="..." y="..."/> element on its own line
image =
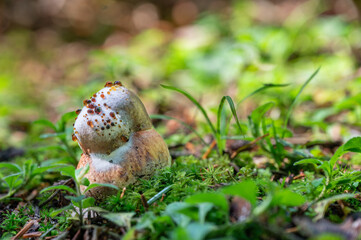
<point x="247" y="145"/>
<point x="205" y="155"/>
<point x="24" y="229"/>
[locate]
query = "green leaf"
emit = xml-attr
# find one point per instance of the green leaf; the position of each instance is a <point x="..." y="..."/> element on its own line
<point x="328" y="236"/>
<point x="173" y="210"/>
<point x="353" y="145"/>
<point x="61" y="210"/>
<point x="61" y="187"/>
<point x="217" y="199"/>
<point x="40" y="170"/>
<point x="85" y="182"/>
<point x="180" y="233"/>
<point x="309" y="161"/>
<point x="195" y="102"/>
<point x="121" y="219"/>
<point x="326" y="167"/>
<point x="11" y="166"/>
<point x="198" y="231"/>
<point x="88" y="202"/>
<point x="47" y="148"/>
<point x="256" y="117"/>
<point x="147" y="220"/>
<point x="93" y="185"/>
<point x="246" y="189"/>
<point x="68" y="170"/>
<point x="265" y="204"/>
<point x="203" y="209"/>
<point x="260" y="111"/>
<point x="285" y="197"/>
<point x="81" y="172"/>
<point x="295" y="100"/>
<point x="64" y="119"/>
<point x="50" y="135"/>
<point x="76" y="199"/>
<point x="13" y="180"/>
<point x="46" y="123"/>
<point x="339" y="152"/>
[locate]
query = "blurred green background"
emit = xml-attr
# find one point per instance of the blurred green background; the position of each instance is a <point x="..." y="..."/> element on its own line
<point x="55" y="53"/>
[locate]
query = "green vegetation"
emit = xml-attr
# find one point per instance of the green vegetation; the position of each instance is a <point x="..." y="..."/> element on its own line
<point x="262" y="122"/>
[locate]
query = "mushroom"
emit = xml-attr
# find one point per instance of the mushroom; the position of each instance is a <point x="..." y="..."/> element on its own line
<point x="118" y="140"/>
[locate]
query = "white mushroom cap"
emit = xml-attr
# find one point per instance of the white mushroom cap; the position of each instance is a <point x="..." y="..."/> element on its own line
<point x="108" y="119"/>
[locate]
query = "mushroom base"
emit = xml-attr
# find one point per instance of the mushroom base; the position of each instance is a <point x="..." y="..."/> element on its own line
<point x="147" y="153"/>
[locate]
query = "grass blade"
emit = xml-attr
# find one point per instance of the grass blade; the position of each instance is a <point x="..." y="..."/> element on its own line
<point x="158" y="195"/>
<point x="220" y="133"/>
<point x="264" y="87"/>
<point x="233" y="110"/>
<point x="195" y="103"/>
<point x="295" y="100"/>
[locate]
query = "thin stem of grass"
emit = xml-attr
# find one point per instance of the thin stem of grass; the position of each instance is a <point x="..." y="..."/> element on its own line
<point x="80" y="203"/>
<point x="295" y="100"/>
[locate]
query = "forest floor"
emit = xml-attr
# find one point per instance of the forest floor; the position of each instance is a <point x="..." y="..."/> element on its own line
<point x="263" y="129"/>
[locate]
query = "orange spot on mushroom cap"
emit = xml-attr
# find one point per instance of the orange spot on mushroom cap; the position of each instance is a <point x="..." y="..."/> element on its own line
<point x="90" y="123"/>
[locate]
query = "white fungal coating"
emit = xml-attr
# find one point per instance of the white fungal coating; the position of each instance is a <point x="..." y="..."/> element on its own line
<point x="104" y="162"/>
<point x="108" y="118"/>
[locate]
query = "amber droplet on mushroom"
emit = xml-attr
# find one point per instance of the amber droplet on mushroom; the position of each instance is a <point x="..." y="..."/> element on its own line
<point x="118" y="83"/>
<point x="118" y="139"/>
<point x="108" y="84"/>
<point x="73" y="137"/>
<point x="86" y="102"/>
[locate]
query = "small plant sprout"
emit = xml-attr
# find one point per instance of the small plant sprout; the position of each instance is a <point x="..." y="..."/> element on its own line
<point x="118" y="140"/>
<point x="79" y="202"/>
